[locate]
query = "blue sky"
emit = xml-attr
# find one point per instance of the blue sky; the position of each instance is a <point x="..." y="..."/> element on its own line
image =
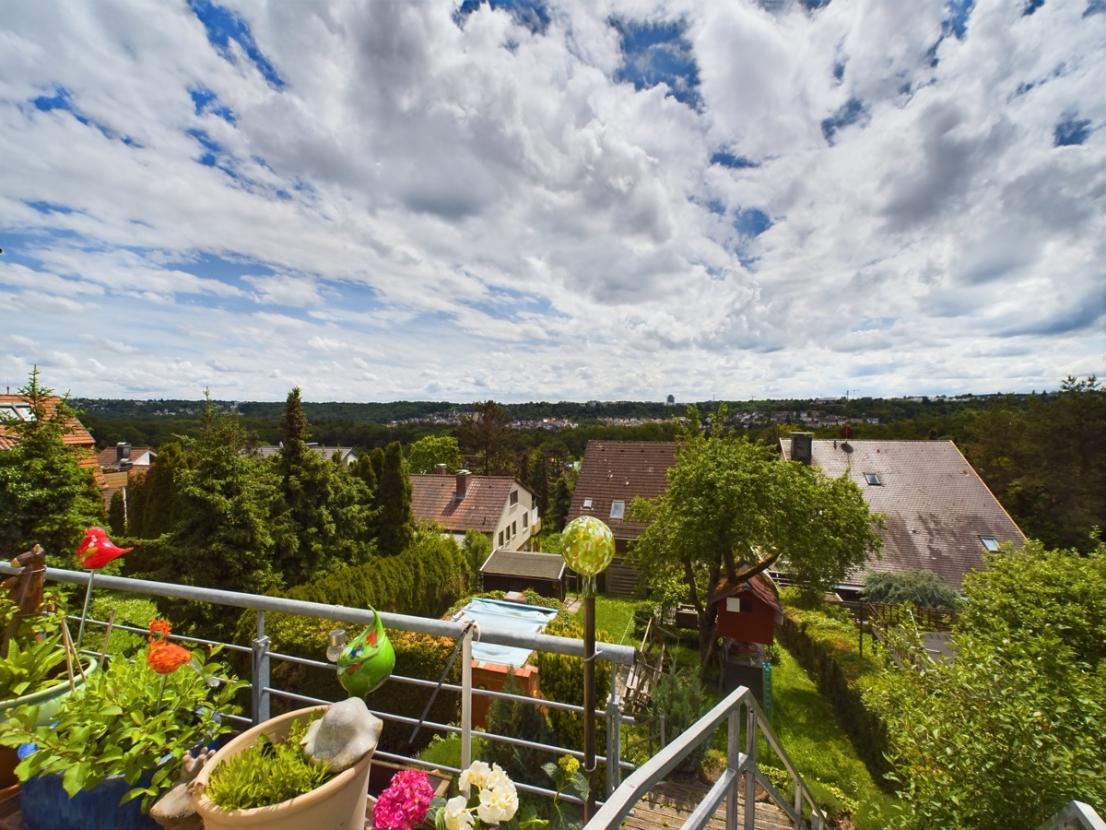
<point x="543" y="199"/>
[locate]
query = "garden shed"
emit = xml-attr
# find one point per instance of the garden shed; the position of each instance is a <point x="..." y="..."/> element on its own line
<point x="510" y="570"/>
<point x="749" y="610"/>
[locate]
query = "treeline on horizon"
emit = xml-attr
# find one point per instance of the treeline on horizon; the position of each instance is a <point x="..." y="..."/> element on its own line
<point x="1043" y="455"/>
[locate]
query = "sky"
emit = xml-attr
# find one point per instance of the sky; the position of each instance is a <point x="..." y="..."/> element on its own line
<point x="552" y="200"/>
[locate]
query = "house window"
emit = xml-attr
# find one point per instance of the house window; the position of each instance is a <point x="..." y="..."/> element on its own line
<point x="514" y="529"/>
<point x="873" y="479"/>
<point x="587" y="504"/>
<point x="990" y="543"/>
<point x="513" y="498"/>
<point x="525" y="519"/>
<point x="501" y="538"/>
<point x="618" y="509"/>
<point x="741" y="604"/>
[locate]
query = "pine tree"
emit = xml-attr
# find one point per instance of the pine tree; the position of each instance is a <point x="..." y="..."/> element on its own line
<point x="159" y="511"/>
<point x="117" y="520"/>
<point x="396" y="524"/>
<point x="46" y="497"/>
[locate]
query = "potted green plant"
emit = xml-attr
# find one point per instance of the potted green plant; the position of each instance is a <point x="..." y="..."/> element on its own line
<point x="304" y="769"/>
<point x="120" y="740"/>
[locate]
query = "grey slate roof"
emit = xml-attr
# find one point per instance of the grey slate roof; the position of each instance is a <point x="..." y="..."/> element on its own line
<point x="549" y="566"/>
<point x="936" y="506"/>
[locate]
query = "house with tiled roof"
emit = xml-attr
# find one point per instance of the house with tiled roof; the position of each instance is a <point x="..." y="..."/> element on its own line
<point x="500" y="507"/>
<point x="612" y="475"/>
<point x="347" y="455"/>
<point x="939" y="514"/>
<point x="18" y="407"/>
<point x="125" y="457"/>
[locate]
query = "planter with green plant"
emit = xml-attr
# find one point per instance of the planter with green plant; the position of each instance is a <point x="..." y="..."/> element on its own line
<point x="303" y="769"/>
<point x="121" y="739"/>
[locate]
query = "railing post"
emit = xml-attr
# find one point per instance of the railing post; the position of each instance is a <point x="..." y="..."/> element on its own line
<point x="750" y="763"/>
<point x="614" y="734"/>
<point x="733" y="762"/>
<point x="466" y="697"/>
<point x="260" y="672"/>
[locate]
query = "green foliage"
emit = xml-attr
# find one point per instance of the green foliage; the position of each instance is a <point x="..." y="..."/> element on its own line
<point x="680" y="700"/>
<point x="732" y="507"/>
<point x="485" y="438"/>
<point x="515" y="719"/>
<point x="129" y="609"/>
<point x="562" y="501"/>
<point x="395" y="522"/>
<point x="428" y="452"/>
<point x="46" y="497"/>
<point x="127" y="718"/>
<point x="923" y="588"/>
<point x="477" y="548"/>
<point x="267" y="773"/>
<point x="30" y="666"/>
<point x="159" y="511"/>
<point x="117" y="519"/>
<point x="562" y="679"/>
<point x="1011" y="729"/>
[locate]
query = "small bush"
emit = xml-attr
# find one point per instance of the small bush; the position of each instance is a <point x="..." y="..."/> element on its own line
<point x="923" y="588"/>
<point x="679" y="698"/>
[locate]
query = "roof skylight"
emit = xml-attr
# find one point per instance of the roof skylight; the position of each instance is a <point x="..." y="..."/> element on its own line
<point x="989" y="542"/>
<point x="618" y="509"/>
<point x="873" y="479"/>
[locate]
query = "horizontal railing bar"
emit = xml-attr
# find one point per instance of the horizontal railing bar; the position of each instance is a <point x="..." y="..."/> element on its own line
<point x="453" y="687"/>
<point x="656" y="768"/>
<point x="180" y="637"/>
<point x="608" y="652"/>
<point x="703" y="812"/>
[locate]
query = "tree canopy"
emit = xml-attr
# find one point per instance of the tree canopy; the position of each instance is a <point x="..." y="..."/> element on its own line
<point x="428" y="452"/>
<point x="734" y="509"/>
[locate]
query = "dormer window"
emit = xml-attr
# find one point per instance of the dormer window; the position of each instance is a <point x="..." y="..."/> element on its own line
<point x="990" y="543"/>
<point x="873" y="479"/>
<point x="587" y="504"/>
<point x="618" y="509"/>
<point x="513" y="498"/>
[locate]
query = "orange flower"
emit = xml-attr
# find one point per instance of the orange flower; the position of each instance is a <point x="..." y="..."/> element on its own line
<point x="159" y="630"/>
<point x="166" y="658"/>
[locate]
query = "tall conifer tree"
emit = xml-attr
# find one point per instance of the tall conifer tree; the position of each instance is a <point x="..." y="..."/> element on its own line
<point x="396" y="524"/>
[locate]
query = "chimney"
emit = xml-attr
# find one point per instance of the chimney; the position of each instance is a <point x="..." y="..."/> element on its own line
<point x="462" y="484"/>
<point x="122" y="452"/>
<point x="802" y="447"/>
<point x="441" y="469"/>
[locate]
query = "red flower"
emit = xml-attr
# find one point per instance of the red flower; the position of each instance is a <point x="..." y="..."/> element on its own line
<point x="159" y="629"/>
<point x="165" y="658"/>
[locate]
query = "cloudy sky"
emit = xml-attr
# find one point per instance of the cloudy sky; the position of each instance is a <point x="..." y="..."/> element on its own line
<point x="545" y="199"/>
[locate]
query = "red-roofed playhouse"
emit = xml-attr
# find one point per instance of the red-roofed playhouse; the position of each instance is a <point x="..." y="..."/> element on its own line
<point x="747" y="615"/>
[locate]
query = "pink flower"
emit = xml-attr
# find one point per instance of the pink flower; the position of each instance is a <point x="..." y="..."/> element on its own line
<point x="404" y="804"/>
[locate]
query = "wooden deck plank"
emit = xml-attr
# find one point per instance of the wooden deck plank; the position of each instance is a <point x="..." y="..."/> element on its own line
<point x="670" y="804"/>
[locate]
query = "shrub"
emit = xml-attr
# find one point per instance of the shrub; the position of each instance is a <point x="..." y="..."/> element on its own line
<point x="517" y="720"/>
<point x="679" y="698"/>
<point x="562" y="679"/>
<point x="922" y="588"/>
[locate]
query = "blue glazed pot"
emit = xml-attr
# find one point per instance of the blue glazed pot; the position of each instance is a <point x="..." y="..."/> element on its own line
<point x="46" y="806"/>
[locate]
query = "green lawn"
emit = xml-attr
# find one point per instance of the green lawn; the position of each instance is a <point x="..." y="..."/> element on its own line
<point x="822" y="753"/>
<point x="614" y="617"/>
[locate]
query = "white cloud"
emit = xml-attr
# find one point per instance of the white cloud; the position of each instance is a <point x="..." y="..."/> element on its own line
<point x="480" y="210"/>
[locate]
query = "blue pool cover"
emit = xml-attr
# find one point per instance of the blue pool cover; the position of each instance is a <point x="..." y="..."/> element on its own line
<point x="511" y="616"/>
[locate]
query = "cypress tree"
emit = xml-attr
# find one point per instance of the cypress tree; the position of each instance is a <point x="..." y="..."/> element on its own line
<point x="116" y="518"/>
<point x="159" y="513"/>
<point x="562" y="501"/>
<point x="363" y="469"/>
<point x="376" y="458"/>
<point x="396" y="524"/>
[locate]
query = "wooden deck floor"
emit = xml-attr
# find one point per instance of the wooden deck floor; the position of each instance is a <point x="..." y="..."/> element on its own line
<point x="668" y="806"/>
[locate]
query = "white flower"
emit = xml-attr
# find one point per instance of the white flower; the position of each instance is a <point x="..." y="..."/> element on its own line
<point x="498" y="779"/>
<point x="498" y="803"/>
<point x="457" y="816"/>
<point x="474" y="776"/>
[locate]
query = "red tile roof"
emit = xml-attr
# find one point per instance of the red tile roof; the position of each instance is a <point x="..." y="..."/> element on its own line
<point x="76" y="435"/>
<point x="936" y="506"/>
<point x="432" y="500"/>
<point x="109" y="457"/>
<point x="619" y="471"/>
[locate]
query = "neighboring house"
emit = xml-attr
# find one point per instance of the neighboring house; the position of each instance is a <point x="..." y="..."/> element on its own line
<point x="347" y="454"/>
<point x="511" y="570"/>
<point x="612" y="475"/>
<point x="939" y="514"/>
<point x="76" y="436"/>
<point x="500" y="507"/>
<point x="125" y="457"/>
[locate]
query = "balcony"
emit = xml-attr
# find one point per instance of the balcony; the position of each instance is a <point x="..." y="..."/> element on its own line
<point x="643" y="798"/>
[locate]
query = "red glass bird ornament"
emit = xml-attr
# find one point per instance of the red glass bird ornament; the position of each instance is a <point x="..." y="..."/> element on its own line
<point x="97" y="550"/>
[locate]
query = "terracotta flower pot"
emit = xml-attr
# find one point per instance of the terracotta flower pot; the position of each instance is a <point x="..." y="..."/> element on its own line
<point x="339" y="804"/>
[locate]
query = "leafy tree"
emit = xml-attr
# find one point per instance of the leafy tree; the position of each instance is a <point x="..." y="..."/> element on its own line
<point x="1011" y="729"/>
<point x="117" y="519"/>
<point x="733" y="509"/>
<point x="923" y="588"/>
<point x="476" y="547"/>
<point x="159" y="512"/>
<point x="396" y="524"/>
<point x="484" y="435"/>
<point x="428" y="452"/>
<point x="46" y="497"/>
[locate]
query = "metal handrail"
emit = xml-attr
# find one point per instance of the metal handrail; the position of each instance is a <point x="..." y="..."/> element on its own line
<point x="740" y="765"/>
<point x="262" y="656"/>
<point x="1075" y="815"/>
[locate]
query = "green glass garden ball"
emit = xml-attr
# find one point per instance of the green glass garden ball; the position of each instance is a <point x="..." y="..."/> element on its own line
<point x="587" y="545"/>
